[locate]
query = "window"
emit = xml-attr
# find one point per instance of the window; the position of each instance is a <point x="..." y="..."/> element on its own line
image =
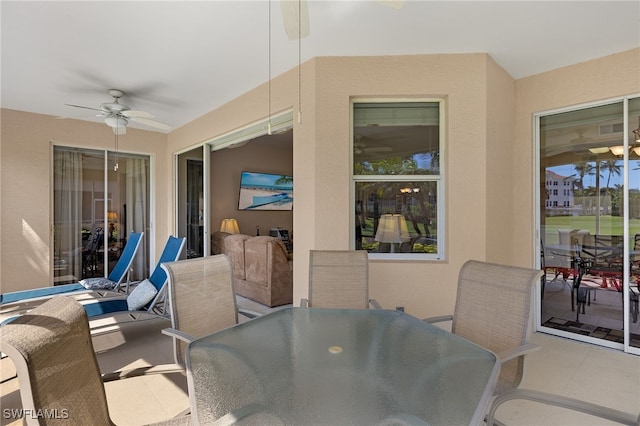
<point x="397" y="179"/>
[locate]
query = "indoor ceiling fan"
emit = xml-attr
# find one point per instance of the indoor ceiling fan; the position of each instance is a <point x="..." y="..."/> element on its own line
<point x="117" y="115"/>
<point x="360" y="147"/>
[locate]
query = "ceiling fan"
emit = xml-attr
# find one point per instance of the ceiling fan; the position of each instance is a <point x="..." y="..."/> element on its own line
<point x="360" y="148"/>
<point x="117" y="115"/>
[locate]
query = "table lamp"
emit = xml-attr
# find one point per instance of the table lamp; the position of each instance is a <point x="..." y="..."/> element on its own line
<point x="112" y="217"/>
<point x="230" y="226"/>
<point x="392" y="229"/>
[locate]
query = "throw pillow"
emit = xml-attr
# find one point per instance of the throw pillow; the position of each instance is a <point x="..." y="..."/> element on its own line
<point x="142" y="294"/>
<point x="97" y="283"/>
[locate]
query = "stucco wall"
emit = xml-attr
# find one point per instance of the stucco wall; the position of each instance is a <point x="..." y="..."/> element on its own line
<point x="25" y="190"/>
<point x="322" y="168"/>
<point x="424" y="287"/>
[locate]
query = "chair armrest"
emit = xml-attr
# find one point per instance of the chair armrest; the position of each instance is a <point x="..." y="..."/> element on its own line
<point x="564" y="402"/>
<point x="510" y="354"/>
<point x="180" y="335"/>
<point x="304" y="303"/>
<point x="441" y="318"/>
<point x="374" y="304"/>
<point x="143" y="371"/>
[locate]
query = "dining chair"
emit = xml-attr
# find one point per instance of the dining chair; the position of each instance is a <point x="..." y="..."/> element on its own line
<point x="58" y="373"/>
<point x="339" y="279"/>
<point x="563" y="402"/>
<point x="493" y="310"/>
<point x="560" y="265"/>
<point x="201" y="300"/>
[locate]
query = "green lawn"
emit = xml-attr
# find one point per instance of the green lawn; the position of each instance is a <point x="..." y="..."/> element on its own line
<point x="609" y="225"/>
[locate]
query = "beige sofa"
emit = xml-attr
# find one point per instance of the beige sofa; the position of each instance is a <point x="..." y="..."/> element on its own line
<point x="262" y="270"/>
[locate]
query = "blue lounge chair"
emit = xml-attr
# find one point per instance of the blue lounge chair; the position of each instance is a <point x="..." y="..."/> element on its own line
<point x="112" y="283"/>
<point x="146" y="296"/>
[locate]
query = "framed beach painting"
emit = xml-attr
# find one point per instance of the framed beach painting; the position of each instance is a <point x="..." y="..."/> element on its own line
<point x="265" y="191"/>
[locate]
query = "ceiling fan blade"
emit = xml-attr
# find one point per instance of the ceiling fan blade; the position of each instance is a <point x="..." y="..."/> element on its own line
<point x="84" y="107"/>
<point x="132" y="113"/>
<point x="295" y="15"/>
<point x="64" y="117"/>
<point x="151" y="123"/>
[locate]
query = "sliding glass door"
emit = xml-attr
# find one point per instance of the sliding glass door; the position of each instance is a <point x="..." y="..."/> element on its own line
<point x="191" y="208"/>
<point x="589" y="201"/>
<point x="96" y="205"/>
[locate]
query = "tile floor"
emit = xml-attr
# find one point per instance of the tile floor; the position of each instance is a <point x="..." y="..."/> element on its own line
<point x="604" y="311"/>
<point x="562" y="366"/>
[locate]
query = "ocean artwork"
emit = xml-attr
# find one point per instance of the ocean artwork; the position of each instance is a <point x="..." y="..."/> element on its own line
<point x="265" y="191"/>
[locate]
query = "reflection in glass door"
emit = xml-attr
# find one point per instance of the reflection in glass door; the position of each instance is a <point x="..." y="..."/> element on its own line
<point x="589" y="218"/>
<point x="95" y="209"/>
<point x="191" y="207"/>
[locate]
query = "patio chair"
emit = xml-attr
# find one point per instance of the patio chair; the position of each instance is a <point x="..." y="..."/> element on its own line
<point x="102" y="285"/>
<point x="561" y="265"/>
<point x="563" y="402"/>
<point x="145" y="300"/>
<point x="122" y="269"/>
<point x="90" y="263"/>
<point x="58" y="372"/>
<point x="339" y="279"/>
<point x="201" y="300"/>
<point x="147" y="296"/>
<point x="493" y="310"/>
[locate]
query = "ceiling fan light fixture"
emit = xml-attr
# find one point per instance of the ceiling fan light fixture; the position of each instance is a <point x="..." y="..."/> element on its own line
<point x="116" y="121"/>
<point x="637" y="132"/>
<point x="600" y="150"/>
<point x="617" y="150"/>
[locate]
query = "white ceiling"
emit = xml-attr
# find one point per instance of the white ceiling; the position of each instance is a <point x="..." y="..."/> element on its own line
<point x="179" y="60"/>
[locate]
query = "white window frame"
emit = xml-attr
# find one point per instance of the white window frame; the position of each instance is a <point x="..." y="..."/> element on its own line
<point x="439" y="179"/>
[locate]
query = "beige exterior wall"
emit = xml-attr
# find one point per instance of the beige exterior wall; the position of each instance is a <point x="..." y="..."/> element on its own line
<point x="488" y="162"/>
<point x="25" y="188"/>
<point x="322" y="168"/>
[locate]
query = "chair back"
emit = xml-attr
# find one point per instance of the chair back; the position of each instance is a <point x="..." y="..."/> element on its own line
<point x="158" y="278"/>
<point x="126" y="258"/>
<point x="339" y="279"/>
<point x="57" y="368"/>
<point x="493" y="310"/>
<point x="201" y="298"/>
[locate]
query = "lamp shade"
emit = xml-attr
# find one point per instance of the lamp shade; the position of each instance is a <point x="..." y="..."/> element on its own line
<point x="112" y="216"/>
<point x="230" y="226"/>
<point x="392" y="228"/>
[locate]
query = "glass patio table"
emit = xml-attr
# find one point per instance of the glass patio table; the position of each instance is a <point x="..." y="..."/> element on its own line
<point x="338" y="366"/>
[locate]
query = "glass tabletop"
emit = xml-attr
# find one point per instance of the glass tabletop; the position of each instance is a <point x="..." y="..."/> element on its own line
<point x="338" y="366"/>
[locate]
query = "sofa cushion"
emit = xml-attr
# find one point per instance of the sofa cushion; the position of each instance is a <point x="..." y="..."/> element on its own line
<point x="258" y="260"/>
<point x="234" y="248"/>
